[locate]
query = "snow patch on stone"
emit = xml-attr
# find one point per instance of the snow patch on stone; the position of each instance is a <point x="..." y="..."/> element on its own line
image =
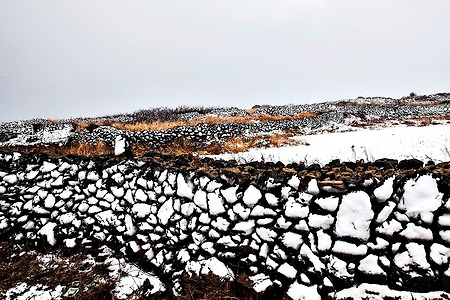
<point x="421" y="196"/>
<point x="354" y="216"/>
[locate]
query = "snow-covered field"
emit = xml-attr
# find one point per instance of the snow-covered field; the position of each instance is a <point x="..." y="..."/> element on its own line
<point x="409" y="214"/>
<point x="397" y="142"/>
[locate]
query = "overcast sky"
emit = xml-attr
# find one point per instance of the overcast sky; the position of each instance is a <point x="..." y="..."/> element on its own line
<point x="63" y="59"/>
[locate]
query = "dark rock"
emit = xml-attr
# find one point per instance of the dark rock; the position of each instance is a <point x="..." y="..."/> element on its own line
<point x="350" y="165"/>
<point x="385" y="163"/>
<point x="313" y="167"/>
<point x="407" y="164"/>
<point x="335" y="163"/>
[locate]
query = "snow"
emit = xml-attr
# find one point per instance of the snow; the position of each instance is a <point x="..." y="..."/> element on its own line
<point x="94" y="210"/>
<point x="221" y="224"/>
<point x="379" y="244"/>
<point x="292" y="240"/>
<point x="200" y="200"/>
<point x="211" y="265"/>
<point x="338" y="267"/>
<point x="271" y="199"/>
<point x="261" y="211"/>
<point x="424" y="143"/>
<point x="266" y="234"/>
<point x="414" y="232"/>
<point x="47" y="167"/>
<point x="294" y="182"/>
<point x="226" y="241"/>
<point x="49" y="201"/>
<point x="349" y="248"/>
<point x="140" y="195"/>
<point x="141" y="210"/>
<point x="11" y="179"/>
<point x="70" y="243"/>
<point x="260" y="282"/>
<point x="313" y="188"/>
<point x="212" y="186"/>
<point x="245" y="227"/>
<point x="420" y="199"/>
<point x="119" y="145"/>
<point x="230" y="194"/>
<point x="66" y="194"/>
<point x="306" y="252"/>
<point x="48" y="231"/>
<point x="421" y="196"/>
<point x="369" y="265"/>
<point x="58" y="182"/>
<point x="354" y="216"/>
<point x="296" y="210"/>
<point x="67" y="218"/>
<point x="320" y="221"/>
<point x="384" y="192"/>
<point x="374" y="291"/>
<point x="118" y="192"/>
<point x="329" y="204"/>
<point x="299" y="291"/>
<point x="215" y="204"/>
<point x="183" y="189"/>
<point x="251" y="196"/>
<point x="187" y="209"/>
<point x="287" y="270"/>
<point x="390" y="227"/>
<point x="323" y="241"/>
<point x="165" y="212"/>
<point x="444" y="220"/>
<point x="130" y="278"/>
<point x="439" y="254"/>
<point x="445" y="235"/>
<point x="23" y="291"/>
<point x="242" y="211"/>
<point x="414" y="257"/>
<point x="131" y="229"/>
<point x="32" y="175"/>
<point x="385" y="212"/>
<point x="283" y="223"/>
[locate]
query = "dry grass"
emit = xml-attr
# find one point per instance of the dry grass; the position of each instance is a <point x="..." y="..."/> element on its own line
<point x="28" y="268"/>
<point x="84" y="149"/>
<point x="424" y="103"/>
<point x="164" y="125"/>
<point x="179" y="146"/>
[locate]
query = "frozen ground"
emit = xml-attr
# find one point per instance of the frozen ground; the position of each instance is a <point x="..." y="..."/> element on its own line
<point x="398" y="142"/>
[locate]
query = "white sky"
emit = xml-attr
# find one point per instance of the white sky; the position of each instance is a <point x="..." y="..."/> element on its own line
<point x="87" y="58"/>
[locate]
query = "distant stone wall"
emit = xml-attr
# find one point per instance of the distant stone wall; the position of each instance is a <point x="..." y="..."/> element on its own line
<point x="327" y="116"/>
<point x="273" y="233"/>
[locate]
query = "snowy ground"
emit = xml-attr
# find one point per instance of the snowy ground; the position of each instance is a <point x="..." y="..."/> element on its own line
<point x="397" y="142"/>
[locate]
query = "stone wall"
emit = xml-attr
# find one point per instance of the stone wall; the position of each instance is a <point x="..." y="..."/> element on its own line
<point x="272" y="228"/>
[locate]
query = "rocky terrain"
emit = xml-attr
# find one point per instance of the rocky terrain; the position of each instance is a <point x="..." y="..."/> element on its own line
<point x="152" y="225"/>
<point x="209" y="137"/>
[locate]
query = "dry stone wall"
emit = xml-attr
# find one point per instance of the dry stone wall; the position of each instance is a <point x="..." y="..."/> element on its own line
<point x="273" y="233"/>
<point x="327" y="116"/>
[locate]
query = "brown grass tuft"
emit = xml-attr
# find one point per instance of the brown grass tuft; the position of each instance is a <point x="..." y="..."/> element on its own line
<point x="85" y="149"/>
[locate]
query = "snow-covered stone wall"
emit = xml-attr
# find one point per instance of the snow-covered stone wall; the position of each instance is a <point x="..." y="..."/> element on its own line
<point x="289" y="232"/>
<point x="327" y="116"/>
